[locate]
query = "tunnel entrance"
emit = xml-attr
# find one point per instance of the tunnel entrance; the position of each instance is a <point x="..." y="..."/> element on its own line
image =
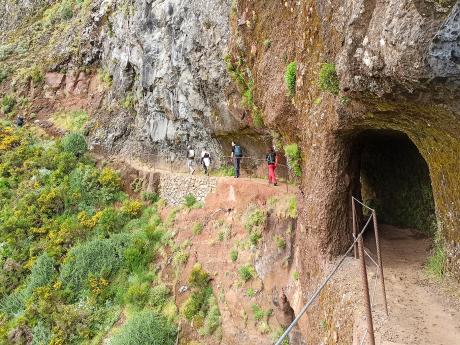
<point x="392" y="176"/>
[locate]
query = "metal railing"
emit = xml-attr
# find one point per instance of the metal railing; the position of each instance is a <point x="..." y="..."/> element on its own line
<point x="175" y="164"/>
<point x="361" y="252"/>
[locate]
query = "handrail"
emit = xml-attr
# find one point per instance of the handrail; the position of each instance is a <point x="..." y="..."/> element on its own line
<point x="357" y="242"/>
<point x="323" y="284"/>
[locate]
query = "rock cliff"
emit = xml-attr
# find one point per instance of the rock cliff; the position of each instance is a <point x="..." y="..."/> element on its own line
<point x="370" y="77"/>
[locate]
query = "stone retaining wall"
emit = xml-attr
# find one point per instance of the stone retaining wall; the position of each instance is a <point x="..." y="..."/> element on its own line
<point x="174" y="187"/>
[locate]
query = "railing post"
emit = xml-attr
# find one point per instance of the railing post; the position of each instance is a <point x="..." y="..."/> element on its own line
<point x="353" y="210"/>
<point x="367" y="300"/>
<point x="379" y="261"/>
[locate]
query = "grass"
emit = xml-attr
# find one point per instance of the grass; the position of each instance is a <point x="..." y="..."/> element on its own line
<point x="257" y="119"/>
<point x="258" y="312"/>
<point x="280" y="242"/>
<point x="8" y="103"/>
<point x="293" y="207"/>
<point x="290" y="77"/>
<point x="146" y="328"/>
<point x="267" y="43"/>
<point x="328" y="79"/>
<point x="296" y="275"/>
<point x="190" y="200"/>
<point x="129" y="101"/>
<point x="246" y="272"/>
<point x="234" y="255"/>
<point x="197" y="228"/>
<point x="292" y="153"/>
<point x="73" y="121"/>
<point x="224" y="170"/>
<point x="436" y="262"/>
<point x="254" y="218"/>
<point x="4" y="73"/>
<point x="201" y="306"/>
<point x="250" y="292"/>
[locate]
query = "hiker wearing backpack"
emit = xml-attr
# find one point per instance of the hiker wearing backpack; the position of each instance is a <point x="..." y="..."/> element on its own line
<point x="237" y="153"/>
<point x="205" y="160"/>
<point x="272" y="162"/>
<point x="190" y="159"/>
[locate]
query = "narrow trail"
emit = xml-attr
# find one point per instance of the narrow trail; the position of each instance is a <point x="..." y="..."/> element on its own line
<point x="421" y="310"/>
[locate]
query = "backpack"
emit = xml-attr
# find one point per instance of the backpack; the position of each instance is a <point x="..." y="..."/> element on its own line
<point x="191" y="154"/>
<point x="271" y="158"/>
<point x="238" y="152"/>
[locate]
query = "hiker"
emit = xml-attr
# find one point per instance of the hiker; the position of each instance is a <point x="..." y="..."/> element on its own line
<point x="190" y="159"/>
<point x="272" y="162"/>
<point x="205" y="160"/>
<point x="19" y="121"/>
<point x="237" y="153"/>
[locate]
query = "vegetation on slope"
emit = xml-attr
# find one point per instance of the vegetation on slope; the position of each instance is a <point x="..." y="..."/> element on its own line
<point x="75" y="250"/>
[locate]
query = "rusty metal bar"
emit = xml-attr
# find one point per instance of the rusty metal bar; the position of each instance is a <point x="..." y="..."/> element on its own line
<point x="353" y="210"/>
<point x="379" y="260"/>
<point x="362" y="260"/>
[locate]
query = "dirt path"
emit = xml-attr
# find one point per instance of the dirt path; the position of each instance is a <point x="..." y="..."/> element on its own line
<point x="421" y="310"/>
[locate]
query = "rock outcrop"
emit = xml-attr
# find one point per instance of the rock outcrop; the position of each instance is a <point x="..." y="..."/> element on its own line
<point x="166" y="61"/>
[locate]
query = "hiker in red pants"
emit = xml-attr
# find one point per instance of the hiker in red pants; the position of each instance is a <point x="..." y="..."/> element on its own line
<point x="272" y="162"/>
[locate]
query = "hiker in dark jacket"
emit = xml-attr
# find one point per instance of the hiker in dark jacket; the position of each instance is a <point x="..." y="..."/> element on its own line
<point x="237" y="153"/>
<point x="272" y="162"/>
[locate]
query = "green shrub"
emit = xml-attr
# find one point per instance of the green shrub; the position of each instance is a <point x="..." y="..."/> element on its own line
<point x="267" y="43"/>
<point x="280" y="242"/>
<point x="246" y="272"/>
<point x="5" y="51"/>
<point x="42" y="273"/>
<point x="13" y="303"/>
<point x="254" y="218"/>
<point x="159" y="295"/>
<point x="146" y="328"/>
<point x="293" y="207"/>
<point x="105" y="77"/>
<point x="259" y="313"/>
<point x="41" y="334"/>
<point x="212" y="320"/>
<point x="257" y="118"/>
<point x="198" y="277"/>
<point x="190" y="200"/>
<point x="290" y="76"/>
<point x="74" y="143"/>
<point x="197" y="228"/>
<point x="138" y="294"/>
<point x="328" y="79"/>
<point x="8" y="103"/>
<point x="151" y="197"/>
<point x="250" y="292"/>
<point x="98" y="259"/>
<point x="277" y="334"/>
<point x="292" y="153"/>
<point x="196" y="303"/>
<point x="255" y="236"/>
<point x="129" y="101"/>
<point x="436" y="262"/>
<point x="3" y="74"/>
<point x="66" y="11"/>
<point x="296" y="275"/>
<point x="234" y="255"/>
